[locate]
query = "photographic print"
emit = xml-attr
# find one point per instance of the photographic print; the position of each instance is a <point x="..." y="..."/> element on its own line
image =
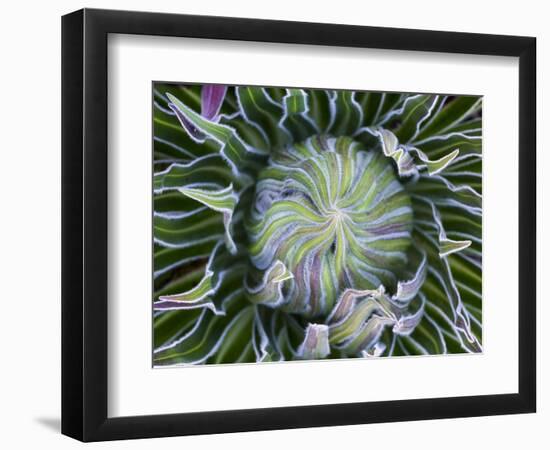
<point x="307" y="224"/>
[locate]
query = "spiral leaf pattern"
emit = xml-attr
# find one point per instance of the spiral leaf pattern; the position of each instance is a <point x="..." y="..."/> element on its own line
<point x="337" y="217"/>
<point x="294" y="224"/>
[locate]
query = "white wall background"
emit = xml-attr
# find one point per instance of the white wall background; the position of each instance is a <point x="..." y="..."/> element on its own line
<point x="30" y="192"/>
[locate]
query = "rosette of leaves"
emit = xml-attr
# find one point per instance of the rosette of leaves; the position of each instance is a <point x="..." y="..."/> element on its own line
<point x="308" y="224"/>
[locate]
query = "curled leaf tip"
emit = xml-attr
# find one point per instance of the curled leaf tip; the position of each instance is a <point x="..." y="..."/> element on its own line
<point x="391" y="148"/>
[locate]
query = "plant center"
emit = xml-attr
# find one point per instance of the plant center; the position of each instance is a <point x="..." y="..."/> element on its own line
<point x="335" y="214"/>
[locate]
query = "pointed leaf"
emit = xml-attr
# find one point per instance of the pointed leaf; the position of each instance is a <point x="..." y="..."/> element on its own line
<point x="438" y="165"/>
<point x="231" y="146"/>
<point x="222" y="200"/>
<point x="212" y="97"/>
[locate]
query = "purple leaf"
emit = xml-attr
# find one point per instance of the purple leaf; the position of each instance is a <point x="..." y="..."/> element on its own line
<point x="212" y="96"/>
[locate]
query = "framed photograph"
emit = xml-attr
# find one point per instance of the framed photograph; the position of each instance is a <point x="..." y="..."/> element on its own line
<point x="274" y="225"/>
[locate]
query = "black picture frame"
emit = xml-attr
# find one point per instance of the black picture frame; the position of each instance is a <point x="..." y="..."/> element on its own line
<point x="84" y="224"/>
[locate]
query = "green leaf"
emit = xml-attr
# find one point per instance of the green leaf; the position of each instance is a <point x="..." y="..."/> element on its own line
<point x="265" y="342"/>
<point x="438" y="146"/>
<point x="196" y="227"/>
<point x="201" y="171"/>
<point x="171" y="139"/>
<point x="454" y="112"/>
<point x="429" y="335"/>
<point x="389" y="103"/>
<point x="344" y="324"/>
<point x="444" y="329"/>
<point x="264" y="113"/>
<point x="367" y="336"/>
<point x="238" y="336"/>
<point x="197" y="297"/>
<point x="377" y="106"/>
<point x="446" y="246"/>
<point x="167" y="259"/>
<point x="205" y="339"/>
<point x="472" y="127"/>
<point x="466" y="271"/>
<point x="250" y="133"/>
<point x="438" y="165"/>
<point x="347" y="115"/>
<point x="414" y="112"/>
<point x="320" y="112"/>
<point x="295" y="118"/>
<point x="168" y="326"/>
<point x="221" y="200"/>
<point x="211" y="291"/>
<point x="370" y="103"/>
<point x="231" y="146"/>
<point x="440" y="191"/>
<point x="190" y="94"/>
<point x="444" y="288"/>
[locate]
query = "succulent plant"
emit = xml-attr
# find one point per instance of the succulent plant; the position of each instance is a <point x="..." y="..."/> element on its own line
<point x="311" y="223"/>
